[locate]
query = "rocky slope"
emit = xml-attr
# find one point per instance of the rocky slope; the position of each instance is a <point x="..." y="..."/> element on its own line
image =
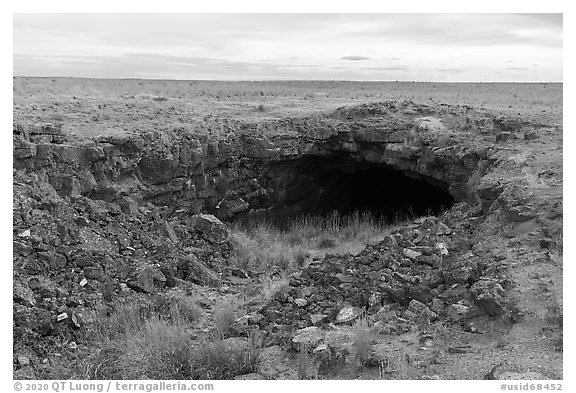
<point x="97" y="220"/>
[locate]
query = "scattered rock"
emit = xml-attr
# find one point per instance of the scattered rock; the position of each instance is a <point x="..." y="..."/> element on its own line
<point x="503" y="137"/>
<point x="148" y="280"/>
<point x="348" y="314"/>
<point x="530" y="135"/>
<point x="318" y="319"/>
<point x="24" y="234"/>
<point x="441" y="248"/>
<point x="489" y="296"/>
<point x="23" y="361"/>
<point x="412" y="254"/>
<point x="418" y="311"/>
<point x="300" y="302"/>
<point x="309" y="338"/>
<point x="457" y="312"/>
<point x="460" y="349"/>
<point x="211" y="228"/>
<point x="62" y="317"/>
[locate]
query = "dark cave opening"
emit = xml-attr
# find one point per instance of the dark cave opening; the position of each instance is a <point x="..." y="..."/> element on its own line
<point x="338" y="183"/>
<point x="384" y="192"/>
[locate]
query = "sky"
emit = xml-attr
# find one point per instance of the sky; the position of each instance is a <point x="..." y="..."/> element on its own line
<point x="383" y="47"/>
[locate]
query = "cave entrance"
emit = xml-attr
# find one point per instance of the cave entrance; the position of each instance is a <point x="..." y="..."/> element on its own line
<point x="338" y="183"/>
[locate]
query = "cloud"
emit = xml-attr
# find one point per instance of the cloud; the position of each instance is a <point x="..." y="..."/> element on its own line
<point x="392" y="68"/>
<point x="146" y="65"/>
<point x="355" y="58"/>
<point x="290" y="46"/>
<point x="450" y="70"/>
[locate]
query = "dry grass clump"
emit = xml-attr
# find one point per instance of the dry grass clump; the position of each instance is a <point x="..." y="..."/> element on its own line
<point x="220" y="360"/>
<point x="272" y="287"/>
<point x="261" y="248"/>
<point x="362" y="341"/>
<point x="137" y="342"/>
<point x="175" y="305"/>
<point x="126" y="345"/>
<point x="261" y="245"/>
<point x="224" y="316"/>
<point x="157" y="351"/>
<point x="326" y="242"/>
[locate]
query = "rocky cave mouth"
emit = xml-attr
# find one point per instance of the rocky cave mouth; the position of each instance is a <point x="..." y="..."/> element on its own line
<point x="339" y="183"/>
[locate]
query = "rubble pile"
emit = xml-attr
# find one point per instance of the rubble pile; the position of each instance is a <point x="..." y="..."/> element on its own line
<point x="420" y="273"/>
<point x="74" y="256"/>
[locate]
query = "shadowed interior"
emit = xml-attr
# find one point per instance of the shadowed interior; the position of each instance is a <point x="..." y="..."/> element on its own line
<point x="322" y="185"/>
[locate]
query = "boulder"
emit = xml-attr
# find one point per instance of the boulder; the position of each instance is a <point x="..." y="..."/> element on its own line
<point x="489" y="296"/>
<point x="147" y="279"/>
<point x="192" y="269"/>
<point x="326" y="358"/>
<point x="412" y="254"/>
<point x="211" y="228"/>
<point x="308" y="338"/>
<point x="318" y="319"/>
<point x="300" y="302"/>
<point x="418" y="311"/>
<point x="457" y="312"/>
<point x="348" y="314"/>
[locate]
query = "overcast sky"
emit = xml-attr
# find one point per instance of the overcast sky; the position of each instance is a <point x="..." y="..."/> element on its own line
<point x="422" y="47"/>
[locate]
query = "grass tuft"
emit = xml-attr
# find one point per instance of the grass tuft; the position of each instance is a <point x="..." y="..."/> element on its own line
<point x="362" y="341"/>
<point x="138" y="343"/>
<point x="260" y="245"/>
<point x="224" y="316"/>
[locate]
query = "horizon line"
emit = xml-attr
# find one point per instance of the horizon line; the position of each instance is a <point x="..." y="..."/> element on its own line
<point x="275" y="80"/>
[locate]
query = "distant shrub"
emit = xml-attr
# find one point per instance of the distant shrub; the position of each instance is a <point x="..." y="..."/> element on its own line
<point x="159" y="99"/>
<point x="260" y="108"/>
